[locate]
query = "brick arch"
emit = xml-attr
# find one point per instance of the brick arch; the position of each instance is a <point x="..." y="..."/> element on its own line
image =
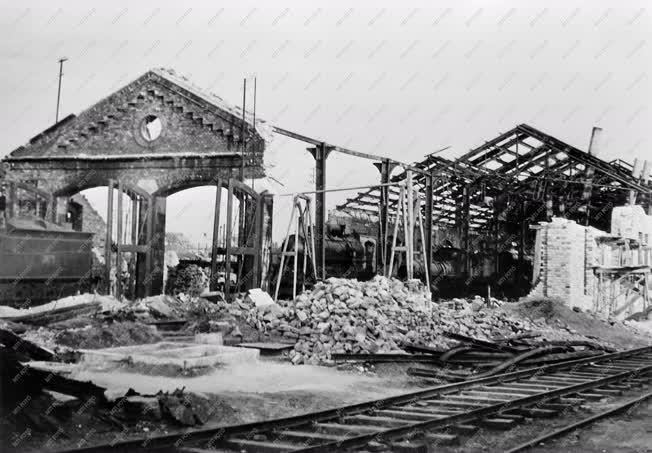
<point x="77" y="187"/>
<point x="203" y="142"/>
<point x="189" y="183"/>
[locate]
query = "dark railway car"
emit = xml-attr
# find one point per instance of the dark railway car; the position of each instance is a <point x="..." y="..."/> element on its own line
<point x="345" y="256"/>
<point x="350" y="256"/>
<point x="41" y="261"/>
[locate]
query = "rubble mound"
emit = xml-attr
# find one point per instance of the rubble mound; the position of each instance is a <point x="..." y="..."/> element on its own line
<point x="377" y="316"/>
<point x="190" y="280"/>
<point x="99" y="335"/>
<point x="561" y="322"/>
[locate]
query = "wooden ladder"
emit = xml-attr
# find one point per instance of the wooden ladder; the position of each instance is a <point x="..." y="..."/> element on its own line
<point x="302" y="220"/>
<point x="408" y="210"/>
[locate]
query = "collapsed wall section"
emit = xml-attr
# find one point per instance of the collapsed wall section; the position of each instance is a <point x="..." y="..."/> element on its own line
<point x="592" y="269"/>
<point x="562" y="258"/>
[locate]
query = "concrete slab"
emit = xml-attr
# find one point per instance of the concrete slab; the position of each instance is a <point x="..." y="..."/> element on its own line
<point x="169" y="353"/>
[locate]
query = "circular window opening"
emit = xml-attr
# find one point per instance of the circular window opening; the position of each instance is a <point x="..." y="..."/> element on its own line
<point x="151" y="127"/>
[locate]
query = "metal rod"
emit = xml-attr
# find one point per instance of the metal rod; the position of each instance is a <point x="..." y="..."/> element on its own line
<point x="342" y="150"/>
<point x="242" y="141"/>
<point x="253" y="150"/>
<point x="308" y="192"/>
<point x="61" y="60"/>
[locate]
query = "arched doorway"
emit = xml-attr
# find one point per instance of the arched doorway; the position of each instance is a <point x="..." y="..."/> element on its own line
<point x="241" y="233"/>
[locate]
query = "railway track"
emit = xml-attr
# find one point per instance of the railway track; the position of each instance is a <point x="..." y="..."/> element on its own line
<point x="580" y="424"/>
<point x="433" y="416"/>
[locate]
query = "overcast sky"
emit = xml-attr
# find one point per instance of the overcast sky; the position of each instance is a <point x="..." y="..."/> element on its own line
<point x="399" y="79"/>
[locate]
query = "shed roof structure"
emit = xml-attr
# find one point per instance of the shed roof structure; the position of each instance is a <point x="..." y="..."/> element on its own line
<point x="522" y="163"/>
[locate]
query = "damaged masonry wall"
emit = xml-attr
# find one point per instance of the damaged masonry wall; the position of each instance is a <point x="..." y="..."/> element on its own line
<point x="593" y="269"/>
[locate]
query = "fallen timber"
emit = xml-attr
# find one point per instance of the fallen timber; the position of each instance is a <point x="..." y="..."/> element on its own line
<point x="438" y="413"/>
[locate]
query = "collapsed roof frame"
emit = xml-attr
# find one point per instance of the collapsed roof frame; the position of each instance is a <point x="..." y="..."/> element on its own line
<point x="524" y="162"/>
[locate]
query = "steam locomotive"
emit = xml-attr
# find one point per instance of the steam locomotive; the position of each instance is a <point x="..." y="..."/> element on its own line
<point x="353" y="255"/>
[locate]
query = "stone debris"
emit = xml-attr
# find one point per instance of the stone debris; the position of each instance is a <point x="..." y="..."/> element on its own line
<point x="62" y="309"/>
<point x="348" y="316"/>
<point x="383" y="315"/>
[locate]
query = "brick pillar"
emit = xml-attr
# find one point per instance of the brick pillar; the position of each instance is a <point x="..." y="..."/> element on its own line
<point x="563" y="273"/>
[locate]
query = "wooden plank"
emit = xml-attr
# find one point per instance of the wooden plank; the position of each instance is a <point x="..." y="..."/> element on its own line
<point x="512" y="390"/>
<point x="260" y="446"/>
<point x="303" y="436"/>
<point x="607" y="392"/>
<point x="478" y="399"/>
<point x="407" y="415"/>
<point x="465" y="404"/>
<point x="109" y="237"/>
<point x="508" y="395"/>
<point x="229" y="232"/>
<point x="118" y="253"/>
<point x="500" y="424"/>
<point x="441" y="439"/>
<point x="425" y="410"/>
<point x="19" y="345"/>
<point x="375" y="421"/>
<point x="216" y="234"/>
<point x="463" y="429"/>
<point x="337" y="428"/>
<point x="533" y="412"/>
<point x="257" y="240"/>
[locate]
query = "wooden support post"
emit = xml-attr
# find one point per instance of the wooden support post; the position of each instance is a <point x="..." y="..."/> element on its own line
<point x="397" y="219"/>
<point x="254" y="241"/>
<point x="134" y="241"/>
<point x="409" y="227"/>
<point x="281" y="269"/>
<point x="496" y="237"/>
<point x="521" y="241"/>
<point x="12" y="202"/>
<point x="466" y="243"/>
<point x="150" y="245"/>
<point x="265" y="238"/>
<point x="216" y="233"/>
<point x="427" y="258"/>
<point x="118" y="253"/>
<point x="229" y="232"/>
<point x="296" y="250"/>
<point x="385" y="167"/>
<point x="109" y="237"/>
<point x="424" y="250"/>
<point x="51" y="208"/>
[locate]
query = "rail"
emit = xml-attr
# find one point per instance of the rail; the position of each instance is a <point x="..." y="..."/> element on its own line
<point x="500" y="399"/>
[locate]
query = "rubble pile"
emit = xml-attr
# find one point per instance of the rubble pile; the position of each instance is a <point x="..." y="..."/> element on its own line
<point x="342" y="316"/>
<point x="378" y="316"/>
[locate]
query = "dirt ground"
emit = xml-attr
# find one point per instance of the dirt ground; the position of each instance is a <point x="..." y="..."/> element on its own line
<point x="246" y="392"/>
<point x="630" y="432"/>
<point x="271" y="389"/>
<point x="621" y="335"/>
